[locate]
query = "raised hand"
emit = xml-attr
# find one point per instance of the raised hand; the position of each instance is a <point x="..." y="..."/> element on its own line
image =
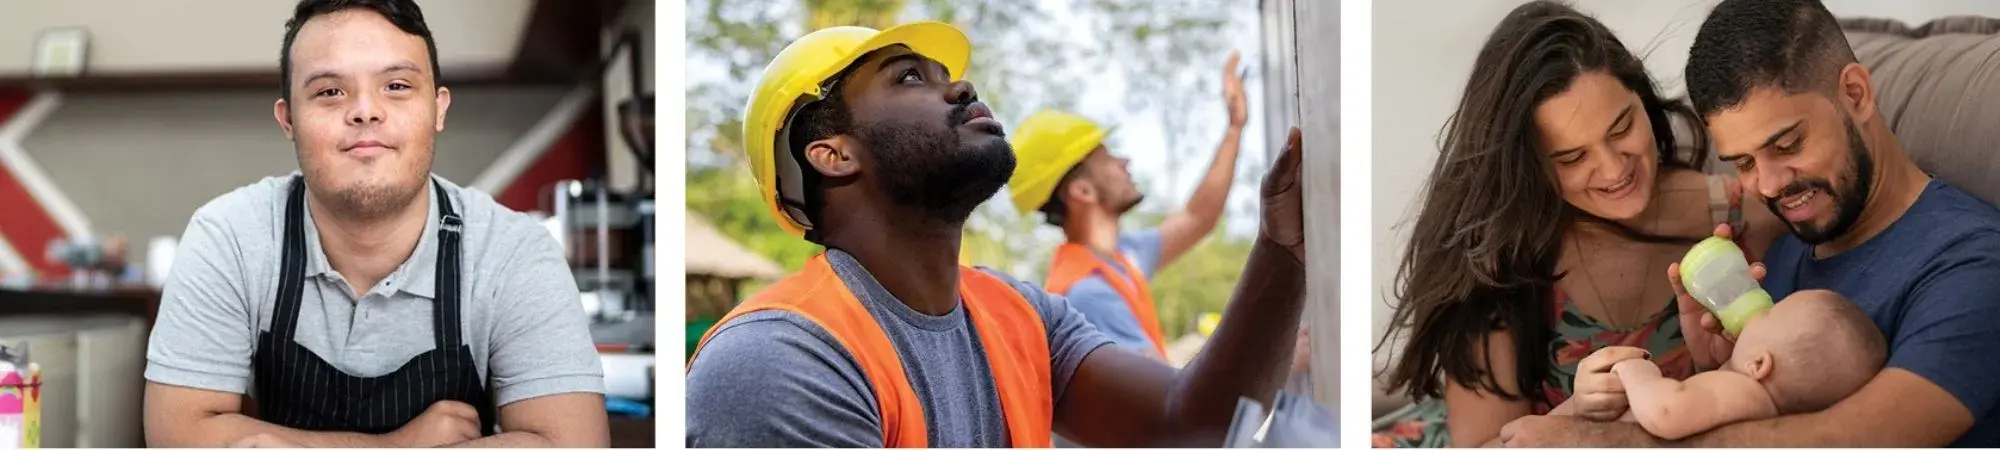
<point x="1232" y="92"/>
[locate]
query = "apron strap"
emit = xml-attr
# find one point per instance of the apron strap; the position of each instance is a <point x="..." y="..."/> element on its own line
<point x="292" y="268"/>
<point x="291" y="284"/>
<point x="446" y="308"/>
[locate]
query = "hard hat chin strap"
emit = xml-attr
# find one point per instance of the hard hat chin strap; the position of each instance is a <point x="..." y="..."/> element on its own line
<point x="790" y="171"/>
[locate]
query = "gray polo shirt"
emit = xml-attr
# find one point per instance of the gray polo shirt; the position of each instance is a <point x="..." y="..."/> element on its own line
<point x="522" y="317"/>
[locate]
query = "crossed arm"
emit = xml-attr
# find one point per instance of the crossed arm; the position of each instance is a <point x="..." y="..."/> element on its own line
<point x="178" y="416"/>
<point x="187" y="417"/>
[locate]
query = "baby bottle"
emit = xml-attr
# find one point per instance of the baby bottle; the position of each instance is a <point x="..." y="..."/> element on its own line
<point x="1718" y="276"/>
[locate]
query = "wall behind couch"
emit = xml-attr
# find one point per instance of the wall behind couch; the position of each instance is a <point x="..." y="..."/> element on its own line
<point x="1423" y="55"/>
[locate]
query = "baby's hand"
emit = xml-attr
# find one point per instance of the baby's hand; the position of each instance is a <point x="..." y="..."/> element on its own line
<point x="1599" y="394"/>
<point x="1635" y="369"/>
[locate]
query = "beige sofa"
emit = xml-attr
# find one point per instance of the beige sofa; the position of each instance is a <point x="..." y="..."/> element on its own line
<point x="1938" y="85"/>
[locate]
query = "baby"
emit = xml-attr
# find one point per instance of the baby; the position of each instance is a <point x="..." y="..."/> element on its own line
<point x="1807" y="352"/>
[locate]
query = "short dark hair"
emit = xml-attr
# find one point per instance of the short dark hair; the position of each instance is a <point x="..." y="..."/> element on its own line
<point x="822" y="118"/>
<point x="403" y="13"/>
<point x="1054" y="211"/>
<point x="1795" y="45"/>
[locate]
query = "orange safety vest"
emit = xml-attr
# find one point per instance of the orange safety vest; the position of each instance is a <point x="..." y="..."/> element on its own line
<point x="1074" y="262"/>
<point x="1011" y="330"/>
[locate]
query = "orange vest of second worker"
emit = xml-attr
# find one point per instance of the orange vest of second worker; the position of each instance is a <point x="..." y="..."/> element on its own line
<point x="1016" y="343"/>
<point x="1073" y="263"/>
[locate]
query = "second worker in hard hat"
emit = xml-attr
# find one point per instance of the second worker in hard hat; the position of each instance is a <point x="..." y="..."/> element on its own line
<point x="1064" y="170"/>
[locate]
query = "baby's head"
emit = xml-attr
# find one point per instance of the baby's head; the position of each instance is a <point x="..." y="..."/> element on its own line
<point x="1810" y="350"/>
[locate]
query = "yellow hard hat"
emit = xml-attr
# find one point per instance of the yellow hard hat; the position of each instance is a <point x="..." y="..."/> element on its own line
<point x="1207" y="323"/>
<point x="802" y="74"/>
<point x="1046" y="145"/>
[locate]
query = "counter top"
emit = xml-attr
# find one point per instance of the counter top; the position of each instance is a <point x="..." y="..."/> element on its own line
<point x="26" y="325"/>
<point x="139" y="302"/>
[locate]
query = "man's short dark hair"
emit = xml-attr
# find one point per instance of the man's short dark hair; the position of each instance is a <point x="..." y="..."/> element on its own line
<point x="1795" y="45"/>
<point x="403" y="13"/>
<point x="1054" y="211"/>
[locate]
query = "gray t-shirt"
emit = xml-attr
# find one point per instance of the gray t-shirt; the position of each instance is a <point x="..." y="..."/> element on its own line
<point x="521" y="313"/>
<point x="775" y="379"/>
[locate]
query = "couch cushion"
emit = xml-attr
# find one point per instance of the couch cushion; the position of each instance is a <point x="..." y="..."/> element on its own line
<point x="1939" y="89"/>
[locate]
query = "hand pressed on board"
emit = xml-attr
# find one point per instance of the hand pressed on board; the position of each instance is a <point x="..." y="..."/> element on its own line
<point x="1706" y="341"/>
<point x="1284" y="209"/>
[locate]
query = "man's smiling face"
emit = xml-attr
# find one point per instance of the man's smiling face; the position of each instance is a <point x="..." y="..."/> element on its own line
<point x="1803" y="153"/>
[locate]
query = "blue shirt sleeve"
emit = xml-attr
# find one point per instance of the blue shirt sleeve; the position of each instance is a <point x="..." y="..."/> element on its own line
<point x="1102" y="306"/>
<point x="1948" y="334"/>
<point x="1143" y="247"/>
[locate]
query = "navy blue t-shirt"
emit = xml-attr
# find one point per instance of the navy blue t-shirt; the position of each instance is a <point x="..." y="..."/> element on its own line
<point x="1931" y="281"/>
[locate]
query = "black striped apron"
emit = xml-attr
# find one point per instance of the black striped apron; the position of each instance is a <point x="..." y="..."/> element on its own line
<point x="297" y="389"/>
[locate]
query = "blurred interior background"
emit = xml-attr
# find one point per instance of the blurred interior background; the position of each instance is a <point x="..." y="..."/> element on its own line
<point x="118" y="119"/>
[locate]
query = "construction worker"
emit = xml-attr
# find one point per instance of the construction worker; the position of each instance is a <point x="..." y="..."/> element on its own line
<point x="1065" y="171"/>
<point x="869" y="143"/>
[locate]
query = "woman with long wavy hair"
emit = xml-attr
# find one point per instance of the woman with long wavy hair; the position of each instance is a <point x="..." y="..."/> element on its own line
<point x="1558" y="200"/>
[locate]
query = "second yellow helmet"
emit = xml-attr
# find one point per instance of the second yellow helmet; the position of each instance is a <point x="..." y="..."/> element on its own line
<point x="1046" y="145"/>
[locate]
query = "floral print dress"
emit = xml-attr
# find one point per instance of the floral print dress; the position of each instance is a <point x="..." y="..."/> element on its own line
<point x="1576" y="336"/>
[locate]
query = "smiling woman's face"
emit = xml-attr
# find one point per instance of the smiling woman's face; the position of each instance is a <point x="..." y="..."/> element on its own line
<point x="1599" y="140"/>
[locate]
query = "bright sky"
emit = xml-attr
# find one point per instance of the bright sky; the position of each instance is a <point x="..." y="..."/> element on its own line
<point x="1140" y="135"/>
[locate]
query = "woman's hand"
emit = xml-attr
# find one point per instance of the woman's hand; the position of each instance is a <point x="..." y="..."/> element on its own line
<point x="1598" y="393"/>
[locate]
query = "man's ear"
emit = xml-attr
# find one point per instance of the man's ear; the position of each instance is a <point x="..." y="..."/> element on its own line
<point x="283" y="112"/>
<point x="833" y="157"/>
<point x="1761" y="364"/>
<point x="443" y="103"/>
<point x="1080" y="191"/>
<point x="1857" y="91"/>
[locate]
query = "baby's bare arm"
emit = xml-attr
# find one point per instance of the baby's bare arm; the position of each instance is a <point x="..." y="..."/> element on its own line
<point x="1673" y="409"/>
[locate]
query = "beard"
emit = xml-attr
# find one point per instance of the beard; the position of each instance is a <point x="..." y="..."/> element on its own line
<point x="932" y="170"/>
<point x="1136" y="198"/>
<point x="1848" y="201"/>
<point x="364" y="199"/>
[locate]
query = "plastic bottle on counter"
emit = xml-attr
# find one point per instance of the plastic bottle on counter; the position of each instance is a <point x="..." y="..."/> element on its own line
<point x="20" y="399"/>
